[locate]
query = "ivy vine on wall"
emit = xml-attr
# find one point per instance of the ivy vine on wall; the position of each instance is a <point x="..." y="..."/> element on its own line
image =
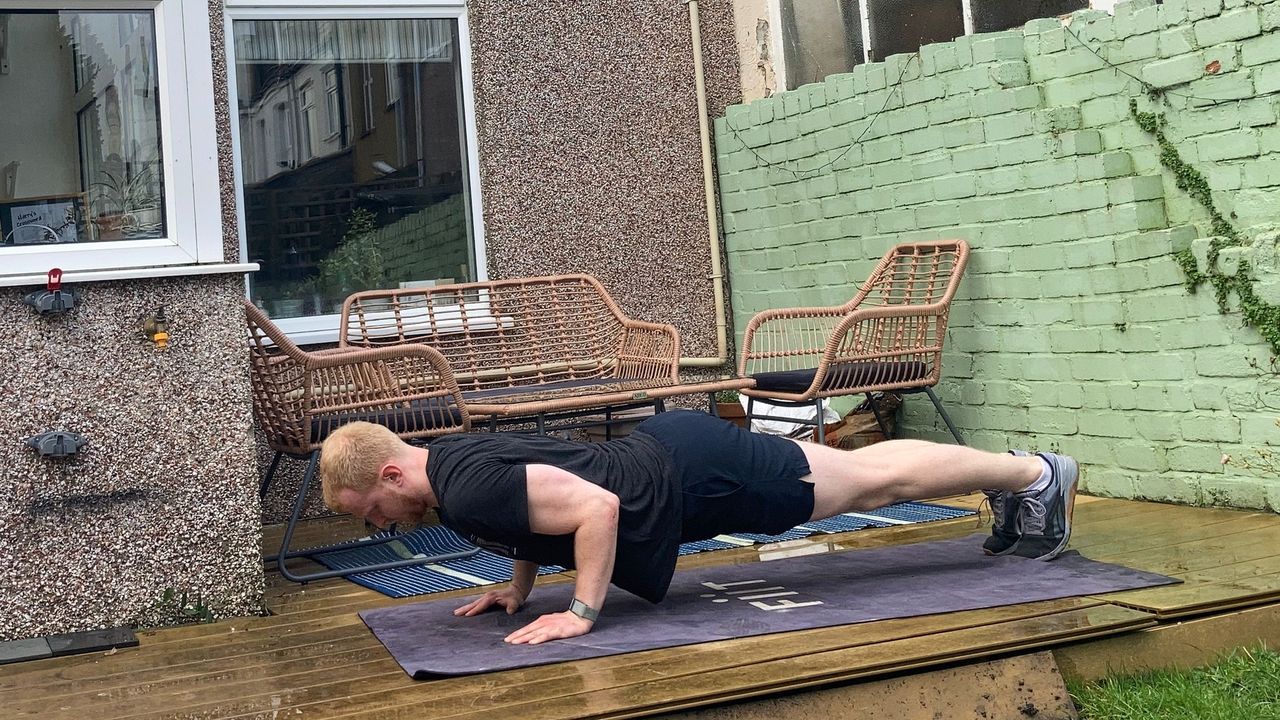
<point x="1263" y="317"/>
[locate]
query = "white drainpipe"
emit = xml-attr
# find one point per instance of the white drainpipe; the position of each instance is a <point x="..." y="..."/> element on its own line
<point x="708" y="183"/>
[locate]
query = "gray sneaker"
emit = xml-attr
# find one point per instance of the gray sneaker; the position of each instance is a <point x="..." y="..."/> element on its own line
<point x="1044" y="517"/>
<point x="1004" y="523"/>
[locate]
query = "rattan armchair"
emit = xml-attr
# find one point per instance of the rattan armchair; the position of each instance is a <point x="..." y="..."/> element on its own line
<point x="300" y="397"/>
<point x="889" y="337"/>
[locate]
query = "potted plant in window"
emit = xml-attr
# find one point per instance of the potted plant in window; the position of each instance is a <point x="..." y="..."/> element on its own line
<point x="125" y="206"/>
<point x="729" y="407"/>
<point x="357" y="263"/>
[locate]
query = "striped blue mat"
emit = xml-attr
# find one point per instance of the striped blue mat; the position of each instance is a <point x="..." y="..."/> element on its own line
<point x="486" y="568"/>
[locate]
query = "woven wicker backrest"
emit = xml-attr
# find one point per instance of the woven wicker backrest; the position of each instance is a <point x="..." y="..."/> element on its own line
<point x="910" y="274"/>
<point x="276" y="376"/>
<point x="924" y="275"/>
<point x="501" y="333"/>
<point x="914" y="274"/>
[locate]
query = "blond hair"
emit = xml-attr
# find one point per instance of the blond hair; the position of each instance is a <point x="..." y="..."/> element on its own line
<point x="352" y="456"/>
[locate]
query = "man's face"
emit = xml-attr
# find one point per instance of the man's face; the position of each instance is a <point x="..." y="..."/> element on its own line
<point x="383" y="504"/>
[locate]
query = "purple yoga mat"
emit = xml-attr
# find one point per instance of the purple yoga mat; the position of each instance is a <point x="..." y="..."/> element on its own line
<point x="717" y="603"/>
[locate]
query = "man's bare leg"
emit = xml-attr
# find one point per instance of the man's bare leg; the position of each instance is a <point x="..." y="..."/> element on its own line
<point x="897" y="470"/>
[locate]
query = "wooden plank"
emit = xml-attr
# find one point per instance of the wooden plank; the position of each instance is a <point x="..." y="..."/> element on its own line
<point x="1022" y="686"/>
<point x="493" y="692"/>
<point x="1200" y="597"/>
<point x="141" y="696"/>
<point x="1094" y="509"/>
<point x="1157" y="529"/>
<point x="1225" y="564"/>
<point x="330" y="633"/>
<point x="1179" y="558"/>
<point x="1169" y="646"/>
<point x="800" y="671"/>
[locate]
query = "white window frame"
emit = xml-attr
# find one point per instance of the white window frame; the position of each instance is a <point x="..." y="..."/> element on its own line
<point x="324" y="328"/>
<point x="193" y="207"/>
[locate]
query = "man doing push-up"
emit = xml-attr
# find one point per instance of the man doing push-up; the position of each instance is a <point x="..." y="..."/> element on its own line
<point x="618" y="511"/>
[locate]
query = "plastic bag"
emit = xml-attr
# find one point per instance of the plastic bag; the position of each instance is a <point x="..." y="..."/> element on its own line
<point x="797" y="430"/>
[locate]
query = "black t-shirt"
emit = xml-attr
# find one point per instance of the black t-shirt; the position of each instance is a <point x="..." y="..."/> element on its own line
<point x="479" y="481"/>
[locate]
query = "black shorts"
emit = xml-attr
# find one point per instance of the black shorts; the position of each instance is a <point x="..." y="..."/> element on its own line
<point x="733" y="480"/>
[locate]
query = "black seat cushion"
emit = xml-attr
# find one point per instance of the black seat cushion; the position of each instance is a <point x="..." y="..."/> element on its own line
<point x="534" y="392"/>
<point x="843" y="375"/>
<point x="414" y="416"/>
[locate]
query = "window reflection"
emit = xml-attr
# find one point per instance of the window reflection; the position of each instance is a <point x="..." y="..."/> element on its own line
<point x="352" y="158"/>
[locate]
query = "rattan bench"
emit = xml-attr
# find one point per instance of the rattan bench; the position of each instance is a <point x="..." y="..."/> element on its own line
<point x="537" y="349"/>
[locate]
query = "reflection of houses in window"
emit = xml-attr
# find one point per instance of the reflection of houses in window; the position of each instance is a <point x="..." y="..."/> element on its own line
<point x="392" y="71"/>
<point x="281" y="141"/>
<point x="307" y="101"/>
<point x="824" y="37"/>
<point x="332" y="104"/>
<point x="403" y="159"/>
<point x="366" y="97"/>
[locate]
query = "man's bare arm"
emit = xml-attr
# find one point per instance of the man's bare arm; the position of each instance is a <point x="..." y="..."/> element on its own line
<point x="510" y="597"/>
<point x="561" y="503"/>
<point x="524" y="576"/>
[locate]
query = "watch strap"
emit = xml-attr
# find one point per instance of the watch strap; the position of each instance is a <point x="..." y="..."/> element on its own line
<point x="583" y="610"/>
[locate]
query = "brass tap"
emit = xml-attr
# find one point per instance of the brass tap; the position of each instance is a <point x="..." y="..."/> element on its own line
<point x="156" y="328"/>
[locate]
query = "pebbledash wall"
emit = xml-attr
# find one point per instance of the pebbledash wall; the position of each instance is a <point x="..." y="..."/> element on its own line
<point x="1072" y="330"/>
<point x="594" y="170"/>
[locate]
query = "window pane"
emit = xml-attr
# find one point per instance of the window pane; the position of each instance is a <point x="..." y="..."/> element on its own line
<point x="821" y="37"/>
<point x="80" y="153"/>
<point x="902" y="26"/>
<point x="993" y="15"/>
<point x="331" y="209"/>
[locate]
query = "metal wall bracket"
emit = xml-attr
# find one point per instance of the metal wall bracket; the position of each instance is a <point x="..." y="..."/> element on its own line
<point x="57" y="443"/>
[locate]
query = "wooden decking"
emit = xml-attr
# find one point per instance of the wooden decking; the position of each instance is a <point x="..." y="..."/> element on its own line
<point x="314" y="658"/>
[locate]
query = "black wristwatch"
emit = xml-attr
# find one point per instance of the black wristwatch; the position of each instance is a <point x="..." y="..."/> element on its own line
<point x="583" y="610"/>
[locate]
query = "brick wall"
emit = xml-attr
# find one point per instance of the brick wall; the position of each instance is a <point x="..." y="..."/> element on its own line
<point x="430" y="244"/>
<point x="1072" y="330"/>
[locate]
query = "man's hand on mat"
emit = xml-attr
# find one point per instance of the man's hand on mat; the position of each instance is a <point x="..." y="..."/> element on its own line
<point x="508" y="597"/>
<point x="553" y="626"/>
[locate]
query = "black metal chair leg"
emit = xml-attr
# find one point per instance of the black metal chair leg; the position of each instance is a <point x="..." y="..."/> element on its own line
<point x="285" y="553"/>
<point x="945" y="418"/>
<point x="608" y="424"/>
<point x="875" y="411"/>
<point x="751" y="404"/>
<point x="266" y="479"/>
<point x="821" y="432"/>
<point x="712" y="406"/>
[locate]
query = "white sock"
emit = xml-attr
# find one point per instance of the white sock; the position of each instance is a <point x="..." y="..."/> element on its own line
<point x="1041" y="482"/>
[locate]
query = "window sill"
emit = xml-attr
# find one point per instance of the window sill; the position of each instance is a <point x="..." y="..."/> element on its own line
<point x="79" y="276"/>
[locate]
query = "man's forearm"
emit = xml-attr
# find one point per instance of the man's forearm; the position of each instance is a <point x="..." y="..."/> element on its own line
<point x="524" y="576"/>
<point x="594" y="546"/>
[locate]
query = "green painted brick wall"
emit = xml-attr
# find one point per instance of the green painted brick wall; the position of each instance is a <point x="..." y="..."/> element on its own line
<point x="1072" y="330"/>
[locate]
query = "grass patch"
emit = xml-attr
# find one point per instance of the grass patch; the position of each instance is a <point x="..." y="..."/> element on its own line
<point x="1242" y="686"/>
